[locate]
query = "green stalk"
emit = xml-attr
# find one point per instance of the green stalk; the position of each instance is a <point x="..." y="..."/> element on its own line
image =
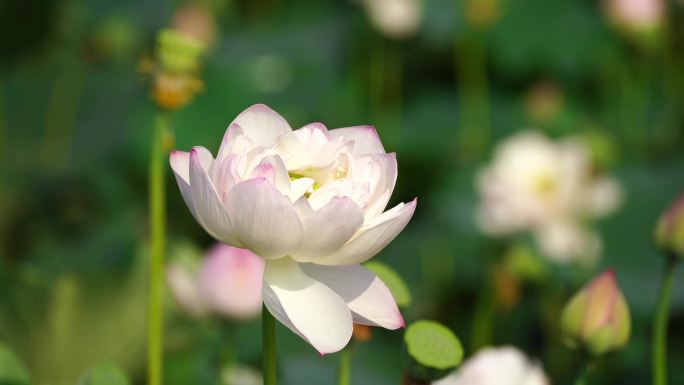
<point x="269" y="347"/>
<point x="473" y="96"/>
<point x="344" y="370"/>
<point x="482" y="332"/>
<point x="155" y="326"/>
<point x="582" y="374"/>
<point x="586" y="367"/>
<point x="660" y="325"/>
<point x="61" y="116"/>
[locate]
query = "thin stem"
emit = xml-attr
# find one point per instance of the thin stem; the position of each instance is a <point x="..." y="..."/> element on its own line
<point x="269" y="347"/>
<point x="582" y="375"/>
<point x="155" y="326"/>
<point x="61" y="116"/>
<point x="660" y="325"/>
<point x="473" y="96"/>
<point x="344" y="370"/>
<point x="483" y="319"/>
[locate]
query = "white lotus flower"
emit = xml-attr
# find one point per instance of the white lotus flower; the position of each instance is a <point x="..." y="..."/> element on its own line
<point x="311" y="203"/>
<point x="395" y="18"/>
<point x="497" y="366"/>
<point x="547" y="187"/>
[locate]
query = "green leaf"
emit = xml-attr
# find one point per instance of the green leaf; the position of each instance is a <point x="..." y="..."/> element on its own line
<point x="12" y="371"/>
<point x="104" y="375"/>
<point x="433" y="350"/>
<point x="393" y="280"/>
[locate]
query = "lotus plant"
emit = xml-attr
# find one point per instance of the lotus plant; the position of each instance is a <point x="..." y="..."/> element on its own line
<point x="669" y="237"/>
<point x="497" y="366"/>
<point x="597" y="318"/>
<point x="227" y="282"/>
<point x="311" y="202"/>
<point x="549" y="188"/>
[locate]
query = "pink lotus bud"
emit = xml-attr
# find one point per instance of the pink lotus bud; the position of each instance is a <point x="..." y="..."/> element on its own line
<point x="230" y="280"/>
<point x="669" y="233"/>
<point x="597" y="318"/>
<point x="637" y="17"/>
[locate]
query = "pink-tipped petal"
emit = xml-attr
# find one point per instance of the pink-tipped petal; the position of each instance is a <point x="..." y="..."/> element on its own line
<point x="369" y="299"/>
<point x="328" y="229"/>
<point x="366" y="139"/>
<point x="306" y="306"/>
<point x="380" y="171"/>
<point x="180" y="164"/>
<point x="262" y="125"/>
<point x="372" y="237"/>
<point x="210" y="211"/>
<point x="265" y="221"/>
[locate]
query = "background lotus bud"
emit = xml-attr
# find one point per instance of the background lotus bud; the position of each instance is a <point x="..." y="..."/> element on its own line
<point x="641" y="20"/>
<point x="195" y="22"/>
<point x="230" y="280"/>
<point x="177" y="52"/>
<point x="396" y="19"/>
<point x="597" y="318"/>
<point x="669" y="233"/>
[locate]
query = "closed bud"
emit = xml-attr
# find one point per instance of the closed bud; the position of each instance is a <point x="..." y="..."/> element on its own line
<point x="597" y="318"/>
<point x="669" y="234"/>
<point x="178" y="53"/>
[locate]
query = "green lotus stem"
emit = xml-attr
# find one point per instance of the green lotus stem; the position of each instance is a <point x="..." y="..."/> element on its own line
<point x="483" y="319"/>
<point x="155" y="326"/>
<point x="344" y="370"/>
<point x="660" y="325"/>
<point x="582" y="375"/>
<point x="269" y="347"/>
<point x="61" y="115"/>
<point x="473" y="96"/>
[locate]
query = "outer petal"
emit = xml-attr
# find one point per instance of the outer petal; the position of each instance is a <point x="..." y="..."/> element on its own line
<point x="369" y="299"/>
<point x="328" y="229"/>
<point x="180" y="163"/>
<point x="380" y="171"/>
<point x="372" y="237"/>
<point x="306" y="306"/>
<point x="366" y="139"/>
<point x="265" y="220"/>
<point x="208" y="206"/>
<point x="262" y="125"/>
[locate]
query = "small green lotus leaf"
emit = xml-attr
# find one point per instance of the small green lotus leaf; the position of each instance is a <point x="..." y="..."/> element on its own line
<point x="433" y="350"/>
<point x="393" y="280"/>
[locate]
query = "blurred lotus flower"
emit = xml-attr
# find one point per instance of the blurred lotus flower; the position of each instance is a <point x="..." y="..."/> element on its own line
<point x="227" y="281"/>
<point x="497" y="366"/>
<point x="636" y="17"/>
<point x="547" y="187"/>
<point x="597" y="318"/>
<point x="669" y="233"/>
<point x="396" y="19"/>
<point x="230" y="281"/>
<point x="311" y="203"/>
